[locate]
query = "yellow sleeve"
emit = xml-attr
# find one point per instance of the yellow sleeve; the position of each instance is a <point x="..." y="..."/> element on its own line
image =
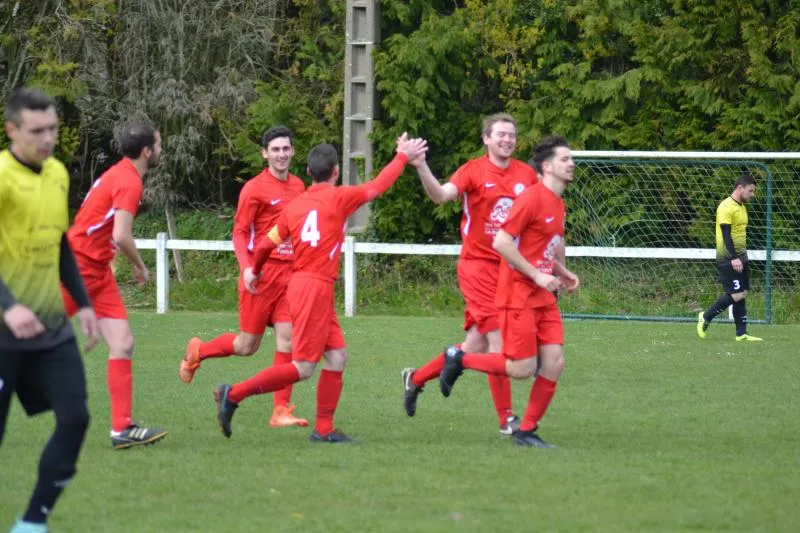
<point x="724" y="214"/>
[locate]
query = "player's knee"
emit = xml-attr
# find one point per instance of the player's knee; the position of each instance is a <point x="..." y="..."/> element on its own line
<point x="283" y="344"/>
<point x="247" y="349"/>
<point x="304" y="369"/>
<point x="553" y="365"/>
<point x="72" y="416"/>
<point x="522" y="369"/>
<point x="245" y="345"/>
<point x="336" y="360"/>
<point x="474" y="345"/>
<point x="122" y="347"/>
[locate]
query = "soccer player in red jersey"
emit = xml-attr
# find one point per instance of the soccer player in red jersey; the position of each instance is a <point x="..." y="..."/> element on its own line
<point x="315" y="223"/>
<point x="488" y="186"/>
<point x="104" y="226"/>
<point x="530" y="273"/>
<point x="261" y="201"/>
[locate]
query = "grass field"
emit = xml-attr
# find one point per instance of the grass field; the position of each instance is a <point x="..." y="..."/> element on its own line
<point x="658" y="431"/>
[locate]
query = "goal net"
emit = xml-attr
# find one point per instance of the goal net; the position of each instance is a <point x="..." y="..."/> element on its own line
<point x="641" y="235"/>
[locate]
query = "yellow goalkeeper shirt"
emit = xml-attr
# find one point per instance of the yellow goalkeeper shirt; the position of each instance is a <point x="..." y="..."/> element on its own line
<point x="734" y="214"/>
<point x="33" y="219"/>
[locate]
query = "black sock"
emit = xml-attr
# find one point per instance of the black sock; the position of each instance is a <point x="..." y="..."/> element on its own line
<point x="722" y="303"/>
<point x="57" y="464"/>
<point x="740" y="317"/>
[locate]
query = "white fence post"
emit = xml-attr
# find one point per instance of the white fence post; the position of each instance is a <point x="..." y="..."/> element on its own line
<point x="349" y="276"/>
<point x="162" y="274"/>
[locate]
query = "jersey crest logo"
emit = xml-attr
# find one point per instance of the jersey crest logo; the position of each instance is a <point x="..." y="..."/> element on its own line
<point x="552" y="247"/>
<point x="501" y="210"/>
<point x="518" y="188"/>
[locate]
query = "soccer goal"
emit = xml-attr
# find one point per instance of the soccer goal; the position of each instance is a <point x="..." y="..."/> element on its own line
<point x="641" y="233"/>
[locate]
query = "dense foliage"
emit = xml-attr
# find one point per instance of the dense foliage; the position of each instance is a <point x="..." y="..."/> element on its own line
<point x="608" y="74"/>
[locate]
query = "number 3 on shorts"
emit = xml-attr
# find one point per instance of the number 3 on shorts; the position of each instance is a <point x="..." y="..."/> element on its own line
<point x="310" y="232"/>
<point x="736" y="284"/>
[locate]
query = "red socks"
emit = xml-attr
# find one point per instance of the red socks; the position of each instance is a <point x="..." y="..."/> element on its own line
<point x="428" y="371"/>
<point x="494" y="366"/>
<point x="120" y="391"/>
<point x="222" y="346"/>
<point x="488" y="363"/>
<point x="329" y="389"/>
<point x="542" y="393"/>
<point x="500" y="386"/>
<point x="269" y="380"/>
<point x="282" y="397"/>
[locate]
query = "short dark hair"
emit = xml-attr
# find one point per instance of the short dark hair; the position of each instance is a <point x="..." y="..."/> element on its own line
<point x="535" y="165"/>
<point x="275" y="132"/>
<point x="322" y="159"/>
<point x="26" y="98"/>
<point x="545" y="150"/>
<point x="136" y="136"/>
<point x="745" y="179"/>
<point x="491" y="120"/>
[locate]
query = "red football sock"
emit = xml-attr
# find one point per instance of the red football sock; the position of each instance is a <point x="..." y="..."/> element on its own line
<point x="428" y="371"/>
<point x="222" y="346"/>
<point x="329" y="388"/>
<point x="282" y="396"/>
<point x="120" y="391"/>
<point x="488" y="363"/>
<point x="501" y="394"/>
<point x="542" y="393"/>
<point x="269" y="380"/>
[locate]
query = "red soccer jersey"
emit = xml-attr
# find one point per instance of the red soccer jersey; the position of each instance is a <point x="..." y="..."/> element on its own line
<point x="488" y="192"/>
<point x="260" y="203"/>
<point x="119" y="187"/>
<point x="316" y="220"/>
<point x="536" y="222"/>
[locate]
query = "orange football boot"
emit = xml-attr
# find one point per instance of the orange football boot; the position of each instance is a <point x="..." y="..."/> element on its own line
<point x="191" y="361"/>
<point x="283" y="416"/>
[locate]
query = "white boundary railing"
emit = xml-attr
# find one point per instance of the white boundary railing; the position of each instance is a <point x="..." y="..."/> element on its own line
<point x="161" y="244"/>
<point x="350" y="247"/>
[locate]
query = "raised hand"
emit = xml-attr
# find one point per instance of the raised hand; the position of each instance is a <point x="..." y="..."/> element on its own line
<point x="413" y="148"/>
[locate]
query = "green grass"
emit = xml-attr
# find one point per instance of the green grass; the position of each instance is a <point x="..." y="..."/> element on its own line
<point x="658" y="431"/>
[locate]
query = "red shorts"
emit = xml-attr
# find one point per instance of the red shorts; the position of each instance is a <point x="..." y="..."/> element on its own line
<point x="103" y="293"/>
<point x="315" y="327"/>
<point x="524" y="330"/>
<point x="268" y="306"/>
<point x="477" y="280"/>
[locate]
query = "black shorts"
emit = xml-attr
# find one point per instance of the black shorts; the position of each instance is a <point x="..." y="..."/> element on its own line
<point x="733" y="281"/>
<point x="41" y="378"/>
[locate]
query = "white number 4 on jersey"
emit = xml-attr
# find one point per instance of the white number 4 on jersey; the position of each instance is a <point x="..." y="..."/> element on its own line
<point x="310" y="232"/>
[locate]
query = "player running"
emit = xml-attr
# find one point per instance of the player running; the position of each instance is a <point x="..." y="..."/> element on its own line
<point x="488" y="186"/>
<point x="260" y="203"/>
<point x="315" y="224"/>
<point x="530" y="273"/>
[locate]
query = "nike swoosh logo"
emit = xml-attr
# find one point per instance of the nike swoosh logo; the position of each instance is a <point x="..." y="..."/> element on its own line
<point x="274" y="202"/>
<point x="489" y="185"/>
<point x="549" y="219"/>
